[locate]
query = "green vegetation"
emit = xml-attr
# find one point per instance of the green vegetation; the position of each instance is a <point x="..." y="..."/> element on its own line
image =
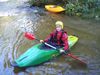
<point x="84" y="8"/>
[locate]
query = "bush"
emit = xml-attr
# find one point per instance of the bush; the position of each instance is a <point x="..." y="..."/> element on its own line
<point x="73" y="9"/>
<point x="81" y="7"/>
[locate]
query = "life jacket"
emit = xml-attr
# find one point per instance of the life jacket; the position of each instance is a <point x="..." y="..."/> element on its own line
<point x="55" y="40"/>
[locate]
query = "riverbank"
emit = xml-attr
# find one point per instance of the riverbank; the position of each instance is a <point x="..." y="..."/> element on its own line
<point x="83" y="9"/>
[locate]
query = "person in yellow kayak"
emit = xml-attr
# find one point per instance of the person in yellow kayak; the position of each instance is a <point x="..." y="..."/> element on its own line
<point x="58" y="38"/>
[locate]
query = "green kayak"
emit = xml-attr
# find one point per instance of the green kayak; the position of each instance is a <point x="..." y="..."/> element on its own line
<point x="37" y="55"/>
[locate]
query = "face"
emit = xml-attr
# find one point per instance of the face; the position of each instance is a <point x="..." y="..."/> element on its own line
<point x="58" y="27"/>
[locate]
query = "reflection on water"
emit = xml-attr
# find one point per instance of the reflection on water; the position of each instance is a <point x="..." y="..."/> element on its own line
<point x="13" y="43"/>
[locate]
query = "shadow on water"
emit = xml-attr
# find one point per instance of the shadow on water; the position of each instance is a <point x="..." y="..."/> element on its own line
<point x="13" y="43"/>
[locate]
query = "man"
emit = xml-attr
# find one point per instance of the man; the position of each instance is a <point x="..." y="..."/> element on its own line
<point x="58" y="38"/>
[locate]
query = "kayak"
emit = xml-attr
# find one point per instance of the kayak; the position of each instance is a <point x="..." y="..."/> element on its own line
<point x="54" y="8"/>
<point x="37" y="55"/>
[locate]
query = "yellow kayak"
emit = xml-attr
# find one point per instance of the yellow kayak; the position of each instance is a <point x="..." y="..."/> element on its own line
<point x="54" y="8"/>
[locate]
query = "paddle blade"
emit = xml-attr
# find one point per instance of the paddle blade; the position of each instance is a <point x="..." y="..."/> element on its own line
<point x="29" y="36"/>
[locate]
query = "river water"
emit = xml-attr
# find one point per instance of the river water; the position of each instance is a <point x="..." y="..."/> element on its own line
<point x="16" y="17"/>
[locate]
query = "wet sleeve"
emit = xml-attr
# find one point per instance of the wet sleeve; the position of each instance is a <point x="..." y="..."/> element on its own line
<point x="65" y="40"/>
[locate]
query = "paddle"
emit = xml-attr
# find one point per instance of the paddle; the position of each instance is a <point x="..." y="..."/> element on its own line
<point x="32" y="37"/>
<point x="68" y="54"/>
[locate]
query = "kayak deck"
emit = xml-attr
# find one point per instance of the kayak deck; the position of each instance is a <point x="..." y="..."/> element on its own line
<point x="36" y="55"/>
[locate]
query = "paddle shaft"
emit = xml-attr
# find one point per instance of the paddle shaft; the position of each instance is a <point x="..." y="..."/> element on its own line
<point x="37" y="39"/>
<point x="75" y="57"/>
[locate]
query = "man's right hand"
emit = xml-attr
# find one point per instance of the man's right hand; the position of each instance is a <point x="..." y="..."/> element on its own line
<point x="41" y="41"/>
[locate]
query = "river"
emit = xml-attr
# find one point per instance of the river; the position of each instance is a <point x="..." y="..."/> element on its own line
<point x="16" y="17"/>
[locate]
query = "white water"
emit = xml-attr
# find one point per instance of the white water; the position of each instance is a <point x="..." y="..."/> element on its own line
<point x="4" y="0"/>
<point x="11" y="8"/>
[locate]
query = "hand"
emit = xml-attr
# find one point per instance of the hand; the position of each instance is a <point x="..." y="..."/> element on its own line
<point x="62" y="51"/>
<point x="41" y="41"/>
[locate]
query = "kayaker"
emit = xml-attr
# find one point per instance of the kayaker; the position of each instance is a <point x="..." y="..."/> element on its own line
<point x="58" y="38"/>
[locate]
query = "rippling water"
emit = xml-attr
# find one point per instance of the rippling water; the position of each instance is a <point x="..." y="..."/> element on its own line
<point x="17" y="18"/>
